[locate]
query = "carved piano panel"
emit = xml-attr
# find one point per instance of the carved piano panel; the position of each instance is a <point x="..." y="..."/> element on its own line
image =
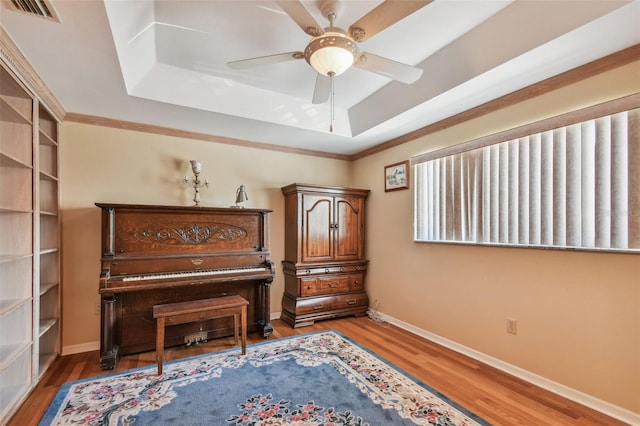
<point x="160" y="254"/>
<point x="174" y="232"/>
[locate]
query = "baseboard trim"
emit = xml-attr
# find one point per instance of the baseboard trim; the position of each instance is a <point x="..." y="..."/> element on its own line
<point x="83" y="347"/>
<point x="599" y="405"/>
<point x="604" y="407"/>
<point x="95" y="346"/>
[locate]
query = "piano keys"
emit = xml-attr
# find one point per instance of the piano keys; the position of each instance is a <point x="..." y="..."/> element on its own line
<point x="194" y="274"/>
<point x="162" y="254"/>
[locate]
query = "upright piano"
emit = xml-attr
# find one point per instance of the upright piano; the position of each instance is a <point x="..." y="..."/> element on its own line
<point x="162" y="254"/>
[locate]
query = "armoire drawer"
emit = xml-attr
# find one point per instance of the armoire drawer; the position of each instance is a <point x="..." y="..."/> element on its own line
<point x="331" y="303"/>
<point x="332" y="284"/>
<point x="324" y="285"/>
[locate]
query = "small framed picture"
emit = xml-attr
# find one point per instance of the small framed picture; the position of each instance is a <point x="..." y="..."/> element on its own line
<point x="396" y="176"/>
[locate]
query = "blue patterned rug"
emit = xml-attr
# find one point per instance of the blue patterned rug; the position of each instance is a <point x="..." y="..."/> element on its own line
<point x="321" y="378"/>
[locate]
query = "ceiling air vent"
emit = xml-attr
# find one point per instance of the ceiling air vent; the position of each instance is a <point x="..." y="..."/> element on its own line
<point x="40" y="8"/>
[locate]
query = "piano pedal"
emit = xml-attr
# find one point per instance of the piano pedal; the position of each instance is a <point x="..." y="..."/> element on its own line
<point x="195" y="338"/>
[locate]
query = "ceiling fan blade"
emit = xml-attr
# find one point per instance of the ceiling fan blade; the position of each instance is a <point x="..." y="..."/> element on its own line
<point x="302" y="17"/>
<point x="388" y="68"/>
<point x="265" y="60"/>
<point x="383" y="16"/>
<point x="322" y="90"/>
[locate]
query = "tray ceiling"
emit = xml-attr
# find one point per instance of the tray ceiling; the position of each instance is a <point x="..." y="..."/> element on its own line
<point x="164" y="63"/>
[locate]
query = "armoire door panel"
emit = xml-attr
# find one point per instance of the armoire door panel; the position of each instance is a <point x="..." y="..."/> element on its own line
<point x="348" y="228"/>
<point x="318" y="229"/>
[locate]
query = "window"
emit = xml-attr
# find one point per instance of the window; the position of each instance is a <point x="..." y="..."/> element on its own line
<point x="568" y="182"/>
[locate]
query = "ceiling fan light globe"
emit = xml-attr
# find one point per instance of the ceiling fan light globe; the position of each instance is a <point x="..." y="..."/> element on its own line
<point x="332" y="53"/>
<point x="329" y="60"/>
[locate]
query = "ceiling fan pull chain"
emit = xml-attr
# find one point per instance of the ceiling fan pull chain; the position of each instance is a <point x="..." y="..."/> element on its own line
<point x="331" y="75"/>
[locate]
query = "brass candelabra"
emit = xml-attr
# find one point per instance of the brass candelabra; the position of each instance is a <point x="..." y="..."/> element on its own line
<point x="196" y="183"/>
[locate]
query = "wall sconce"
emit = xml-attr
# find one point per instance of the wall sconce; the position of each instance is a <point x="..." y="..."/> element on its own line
<point x="241" y="196"/>
<point x="196" y="184"/>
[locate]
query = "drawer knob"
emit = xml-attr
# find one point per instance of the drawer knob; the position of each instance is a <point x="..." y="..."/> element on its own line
<point x="351" y="302"/>
<point x="333" y="285"/>
<point x="357" y="268"/>
<point x="308" y="271"/>
<point x="309" y="286"/>
<point x="326" y="271"/>
<point x="356" y="282"/>
<point x="316" y="307"/>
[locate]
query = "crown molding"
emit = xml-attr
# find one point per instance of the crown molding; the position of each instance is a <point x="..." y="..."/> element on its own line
<point x="19" y="64"/>
<point x="168" y="131"/>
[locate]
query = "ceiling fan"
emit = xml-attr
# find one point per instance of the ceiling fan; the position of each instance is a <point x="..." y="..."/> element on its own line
<point x="332" y="50"/>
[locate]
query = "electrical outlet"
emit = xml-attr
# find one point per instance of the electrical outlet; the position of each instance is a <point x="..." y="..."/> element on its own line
<point x="512" y="326"/>
<point x="96" y="308"/>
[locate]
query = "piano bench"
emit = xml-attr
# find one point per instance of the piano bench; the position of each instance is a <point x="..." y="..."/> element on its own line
<point x="200" y="310"/>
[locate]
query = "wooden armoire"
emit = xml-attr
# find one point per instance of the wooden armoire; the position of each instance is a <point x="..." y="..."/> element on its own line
<point x="324" y="263"/>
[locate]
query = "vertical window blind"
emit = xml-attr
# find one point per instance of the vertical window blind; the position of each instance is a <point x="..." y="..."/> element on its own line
<point x="570" y="186"/>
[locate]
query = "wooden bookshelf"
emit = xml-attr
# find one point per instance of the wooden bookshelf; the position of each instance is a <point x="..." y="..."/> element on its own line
<point x="30" y="285"/>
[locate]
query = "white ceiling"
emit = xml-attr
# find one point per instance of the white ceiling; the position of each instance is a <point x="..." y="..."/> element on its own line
<point x="163" y="62"/>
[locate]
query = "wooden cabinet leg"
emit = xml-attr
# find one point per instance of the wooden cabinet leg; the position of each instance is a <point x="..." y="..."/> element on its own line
<point x="265" y="307"/>
<point x="243" y="328"/>
<point x="108" y="350"/>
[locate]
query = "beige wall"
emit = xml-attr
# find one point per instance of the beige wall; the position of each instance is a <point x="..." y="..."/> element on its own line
<point x="578" y="313"/>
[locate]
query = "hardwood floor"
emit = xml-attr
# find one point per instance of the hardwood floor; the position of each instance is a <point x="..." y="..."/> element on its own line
<point x="495" y="396"/>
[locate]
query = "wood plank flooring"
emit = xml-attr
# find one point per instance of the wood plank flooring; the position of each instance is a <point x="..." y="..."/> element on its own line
<point x="494" y="395"/>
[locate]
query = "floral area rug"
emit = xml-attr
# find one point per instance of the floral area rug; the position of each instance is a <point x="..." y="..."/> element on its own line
<point x="321" y="378"/>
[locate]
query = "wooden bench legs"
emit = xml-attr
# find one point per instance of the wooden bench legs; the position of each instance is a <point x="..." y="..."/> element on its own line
<point x="201" y="310"/>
